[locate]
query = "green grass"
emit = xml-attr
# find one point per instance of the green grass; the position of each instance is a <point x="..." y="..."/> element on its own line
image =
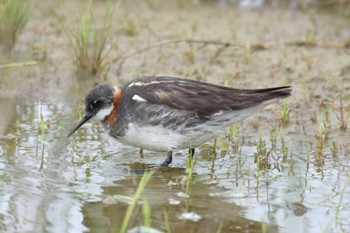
<point x="127" y="218"/>
<point x="14" y="15"/>
<point x="322" y="137"/>
<point x="190" y="163"/>
<point x="334" y="148"/>
<point x="18" y="64"/>
<point x="263" y="227"/>
<point x="88" y="40"/>
<point x="284" y="149"/>
<point x="262" y="157"/>
<point x="42" y="125"/>
<point x="166" y="221"/>
<point x="146" y="210"/>
<point x="42" y="128"/>
<point x="341" y="197"/>
<point x="285" y="112"/>
<point x="311" y="36"/>
<point x="322" y="130"/>
<point x="190" y="54"/>
<point x="219" y="230"/>
<point x="130" y="26"/>
<point x="213" y="155"/>
<point x="273" y="137"/>
<point x="339" y="86"/>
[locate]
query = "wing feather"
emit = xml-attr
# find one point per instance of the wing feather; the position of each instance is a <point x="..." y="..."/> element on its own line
<point x="202" y="98"/>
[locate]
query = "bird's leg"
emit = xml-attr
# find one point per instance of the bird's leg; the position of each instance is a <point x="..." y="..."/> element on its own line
<point x="168" y="160"/>
<point x="191" y="151"/>
<point x="141" y="153"/>
<point x="190" y="156"/>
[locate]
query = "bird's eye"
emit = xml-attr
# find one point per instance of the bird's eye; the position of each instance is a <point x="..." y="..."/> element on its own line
<point x="97" y="102"/>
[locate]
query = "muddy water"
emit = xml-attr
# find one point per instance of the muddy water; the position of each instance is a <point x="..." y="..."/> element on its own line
<point x="49" y="183"/>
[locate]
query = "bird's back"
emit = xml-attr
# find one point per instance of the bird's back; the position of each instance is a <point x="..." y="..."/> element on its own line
<point x="165" y="113"/>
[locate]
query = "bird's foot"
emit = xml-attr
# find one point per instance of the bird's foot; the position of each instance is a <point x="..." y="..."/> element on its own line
<point x="168" y="160"/>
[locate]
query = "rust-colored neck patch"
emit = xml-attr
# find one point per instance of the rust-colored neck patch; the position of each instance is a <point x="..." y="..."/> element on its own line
<point x="111" y="119"/>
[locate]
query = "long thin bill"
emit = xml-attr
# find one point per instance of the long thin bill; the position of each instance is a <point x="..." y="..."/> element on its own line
<point x="83" y="121"/>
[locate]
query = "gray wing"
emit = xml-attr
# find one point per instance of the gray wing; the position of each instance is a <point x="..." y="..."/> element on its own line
<point x="201" y="98"/>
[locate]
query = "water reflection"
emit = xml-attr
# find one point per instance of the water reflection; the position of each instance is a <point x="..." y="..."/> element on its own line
<point x="109" y="216"/>
<point x="76" y="187"/>
<point x="68" y="194"/>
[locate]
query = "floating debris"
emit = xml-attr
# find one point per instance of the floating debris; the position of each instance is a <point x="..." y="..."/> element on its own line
<point x="143" y="229"/>
<point x="172" y="183"/>
<point x="109" y="200"/>
<point x="182" y="195"/>
<point x="190" y="216"/>
<point x="229" y="194"/>
<point x="173" y="201"/>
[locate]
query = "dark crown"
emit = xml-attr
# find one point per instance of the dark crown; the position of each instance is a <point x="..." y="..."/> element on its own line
<point x="102" y="95"/>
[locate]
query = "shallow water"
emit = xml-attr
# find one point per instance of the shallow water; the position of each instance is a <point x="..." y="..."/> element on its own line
<point x="71" y="193"/>
<point x="49" y="183"/>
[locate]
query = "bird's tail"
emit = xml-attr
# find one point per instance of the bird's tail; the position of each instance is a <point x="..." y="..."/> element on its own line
<point x="270" y="95"/>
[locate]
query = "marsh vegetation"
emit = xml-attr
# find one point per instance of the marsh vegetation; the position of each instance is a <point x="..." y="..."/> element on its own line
<point x="284" y="170"/>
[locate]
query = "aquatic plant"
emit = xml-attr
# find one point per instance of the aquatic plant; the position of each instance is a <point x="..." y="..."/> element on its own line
<point x="334" y="148"/>
<point x="127" y="218"/>
<point x="261" y="156"/>
<point x="234" y="140"/>
<point x="130" y="26"/>
<point x="263" y="227"/>
<point x="213" y="155"/>
<point x="146" y="210"/>
<point x="341" y="197"/>
<point x="189" y="54"/>
<point x="219" y="228"/>
<point x="14" y="16"/>
<point x="42" y="128"/>
<point x="322" y="137"/>
<point x="339" y="86"/>
<point x="17" y="64"/>
<point x="273" y="137"/>
<point x="88" y="40"/>
<point x="190" y="169"/>
<point x="284" y="149"/>
<point x="166" y="221"/>
<point x="285" y="112"/>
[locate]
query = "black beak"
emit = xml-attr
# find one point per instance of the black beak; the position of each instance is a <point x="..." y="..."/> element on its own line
<point x="83" y="121"/>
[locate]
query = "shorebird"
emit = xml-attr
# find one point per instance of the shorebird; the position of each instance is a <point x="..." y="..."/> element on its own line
<point x="169" y="114"/>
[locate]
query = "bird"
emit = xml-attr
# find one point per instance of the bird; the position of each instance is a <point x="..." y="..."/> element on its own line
<point x="166" y="114"/>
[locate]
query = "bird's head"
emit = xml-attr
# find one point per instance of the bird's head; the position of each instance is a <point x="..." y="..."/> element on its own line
<point x="98" y="103"/>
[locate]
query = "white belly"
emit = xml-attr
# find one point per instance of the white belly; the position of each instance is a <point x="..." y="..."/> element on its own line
<point x="159" y="138"/>
<point x="156" y="138"/>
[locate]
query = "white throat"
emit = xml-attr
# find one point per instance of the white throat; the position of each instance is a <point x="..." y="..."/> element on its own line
<point x="101" y="115"/>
